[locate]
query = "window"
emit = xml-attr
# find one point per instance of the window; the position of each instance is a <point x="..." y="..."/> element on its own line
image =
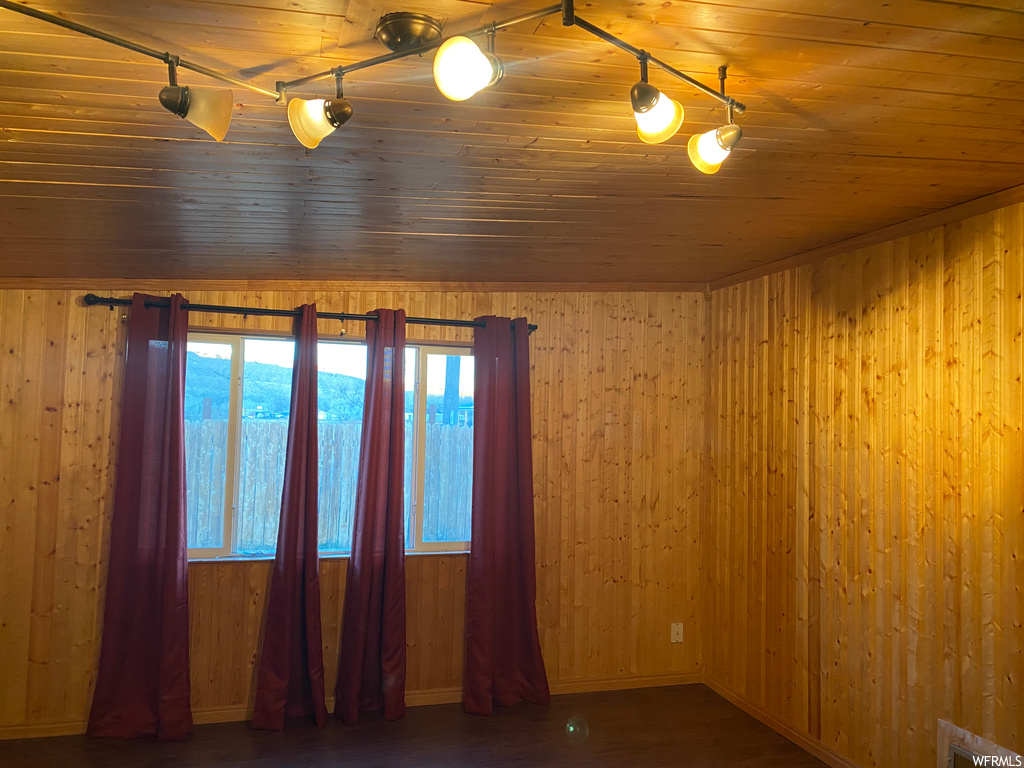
<point x="237" y="401"/>
<point x="439" y="451"/>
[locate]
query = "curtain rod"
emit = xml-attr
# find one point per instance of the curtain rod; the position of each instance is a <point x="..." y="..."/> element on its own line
<point x="91" y="300"/>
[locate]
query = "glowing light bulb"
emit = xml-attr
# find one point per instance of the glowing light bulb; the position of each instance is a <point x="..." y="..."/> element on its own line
<point x="709" y="150"/>
<point x="660" y="122"/>
<point x="461" y="69"/>
<point x="657" y="116"/>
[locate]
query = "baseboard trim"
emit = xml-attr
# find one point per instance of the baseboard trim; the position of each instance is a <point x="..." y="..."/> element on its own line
<point x="433" y="696"/>
<point x="804" y="741"/>
<point x="230" y="714"/>
<point x="234" y="714"/>
<point x="240" y="712"/>
<point x="624" y="683"/>
<point x="39" y="730"/>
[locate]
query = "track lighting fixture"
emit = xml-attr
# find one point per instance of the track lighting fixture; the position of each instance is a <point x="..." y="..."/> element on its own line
<point x="206" y="108"/>
<point x="657" y="116"/>
<point x="461" y="69"/>
<point x="313" y="119"/>
<point x="709" y="150"/>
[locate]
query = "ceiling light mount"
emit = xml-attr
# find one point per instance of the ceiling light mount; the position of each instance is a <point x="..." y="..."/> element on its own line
<point x="730" y="104"/>
<point x="402" y="31"/>
<point x="497" y="67"/>
<point x="643" y="95"/>
<point x="709" y="150"/>
<point x="339" y="109"/>
<point x="568" y="13"/>
<point x="174" y="97"/>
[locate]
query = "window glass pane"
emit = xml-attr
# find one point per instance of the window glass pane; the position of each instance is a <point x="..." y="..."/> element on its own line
<point x="266" y="401"/>
<point x="341" y="387"/>
<point x="448" y="457"/>
<point x="207" y="399"/>
<point x="411" y="363"/>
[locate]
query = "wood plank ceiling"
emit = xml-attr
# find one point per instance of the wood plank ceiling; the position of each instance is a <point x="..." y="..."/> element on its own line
<point x="862" y="113"/>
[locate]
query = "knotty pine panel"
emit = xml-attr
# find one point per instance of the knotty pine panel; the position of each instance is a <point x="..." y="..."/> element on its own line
<point x="864" y="540"/>
<point x="618" y="434"/>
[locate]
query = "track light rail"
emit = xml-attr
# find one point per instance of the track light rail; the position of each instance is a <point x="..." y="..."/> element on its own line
<point x="569" y="18"/>
<point x="418" y="50"/>
<point x="460" y="67"/>
<point x="92" y="300"/>
<point x="565" y="8"/>
<point x="644" y="56"/>
<point x="106" y="37"/>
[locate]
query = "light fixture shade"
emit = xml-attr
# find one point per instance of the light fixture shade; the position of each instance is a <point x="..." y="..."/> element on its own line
<point x="660" y="121"/>
<point x="461" y="69"/>
<point x="206" y="108"/>
<point x="313" y="119"/>
<point x="210" y="109"/>
<point x="709" y="150"/>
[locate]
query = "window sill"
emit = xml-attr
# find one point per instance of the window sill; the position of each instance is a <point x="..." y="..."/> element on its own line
<point x="328" y="556"/>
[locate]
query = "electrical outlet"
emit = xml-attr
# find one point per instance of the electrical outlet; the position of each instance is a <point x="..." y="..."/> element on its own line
<point x="677" y="633"/>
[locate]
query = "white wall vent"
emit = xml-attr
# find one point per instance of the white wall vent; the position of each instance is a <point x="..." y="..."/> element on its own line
<point x="960" y="757"/>
<point x="959" y="748"/>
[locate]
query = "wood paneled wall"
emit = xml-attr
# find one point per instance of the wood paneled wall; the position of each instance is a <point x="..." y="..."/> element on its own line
<point x="864" y="538"/>
<point x="619" y="435"/>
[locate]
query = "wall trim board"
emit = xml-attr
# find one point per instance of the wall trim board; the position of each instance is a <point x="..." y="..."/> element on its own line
<point x="976" y="207"/>
<point x="231" y="714"/>
<point x="564" y="687"/>
<point x="238" y="713"/>
<point x="430" y="697"/>
<point x="804" y="741"/>
<point x="234" y="714"/>
<point x="42" y="730"/>
<point x="118" y="284"/>
<point x="211" y="715"/>
<point x="560" y="688"/>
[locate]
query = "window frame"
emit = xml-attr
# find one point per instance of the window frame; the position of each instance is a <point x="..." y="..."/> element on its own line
<point x="236" y="340"/>
<point x="231" y="479"/>
<point x="419" y="449"/>
<point x="320" y="339"/>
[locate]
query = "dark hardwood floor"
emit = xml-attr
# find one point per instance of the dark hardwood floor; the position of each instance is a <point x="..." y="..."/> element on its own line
<point x="680" y="726"/>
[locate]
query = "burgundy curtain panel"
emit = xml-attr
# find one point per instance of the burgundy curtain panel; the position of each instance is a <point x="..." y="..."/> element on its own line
<point x="503" y="659"/>
<point x="142" y="685"/>
<point x="371" y="663"/>
<point x="291" y="672"/>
